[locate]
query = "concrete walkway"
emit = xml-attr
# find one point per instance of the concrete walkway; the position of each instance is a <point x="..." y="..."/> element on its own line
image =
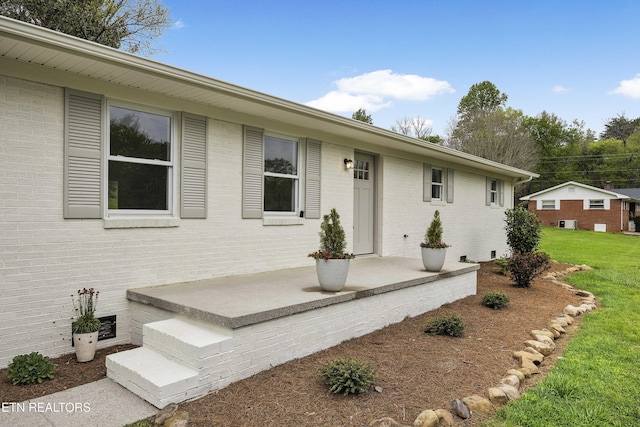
<point x="102" y="403"/>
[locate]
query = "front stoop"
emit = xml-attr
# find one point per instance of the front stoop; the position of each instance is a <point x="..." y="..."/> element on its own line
<point x="180" y="359"/>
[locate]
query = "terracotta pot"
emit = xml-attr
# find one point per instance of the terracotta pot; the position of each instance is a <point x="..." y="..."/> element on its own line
<point x="433" y="258"/>
<point x="332" y="274"/>
<point x="85" y="345"/>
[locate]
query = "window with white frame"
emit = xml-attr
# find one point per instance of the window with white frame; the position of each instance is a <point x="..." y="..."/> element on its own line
<point x="140" y="160"/>
<point x="596" y="204"/>
<point x="548" y="204"/>
<point x="281" y="174"/>
<point x="436" y="184"/>
<point x="493" y="191"/>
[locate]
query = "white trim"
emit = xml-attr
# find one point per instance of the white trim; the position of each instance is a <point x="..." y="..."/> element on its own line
<point x="172" y="164"/>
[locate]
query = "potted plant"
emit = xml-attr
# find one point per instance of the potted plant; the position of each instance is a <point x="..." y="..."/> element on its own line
<point x="332" y="262"/>
<point x="86" y="325"/>
<point x="434" y="250"/>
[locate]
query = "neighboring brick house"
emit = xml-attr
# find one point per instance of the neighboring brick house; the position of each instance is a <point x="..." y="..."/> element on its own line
<point x="580" y="206"/>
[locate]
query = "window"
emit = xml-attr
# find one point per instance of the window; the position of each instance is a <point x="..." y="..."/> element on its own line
<point x="436" y="184"/>
<point x="548" y="204"/>
<point x="281" y="174"/>
<point x="121" y="159"/>
<point x="494" y="192"/>
<point x="140" y="172"/>
<point x="596" y="204"/>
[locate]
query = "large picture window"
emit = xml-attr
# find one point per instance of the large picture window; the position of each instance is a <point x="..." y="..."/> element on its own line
<point x="281" y="174"/>
<point x="140" y="172"/>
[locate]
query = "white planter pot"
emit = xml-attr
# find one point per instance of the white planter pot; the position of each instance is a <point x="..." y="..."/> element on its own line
<point x="433" y="258"/>
<point x="332" y="274"/>
<point x="85" y="345"/>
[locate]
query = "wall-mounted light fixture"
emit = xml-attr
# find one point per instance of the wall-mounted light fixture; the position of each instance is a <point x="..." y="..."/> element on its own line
<point x="348" y="163"/>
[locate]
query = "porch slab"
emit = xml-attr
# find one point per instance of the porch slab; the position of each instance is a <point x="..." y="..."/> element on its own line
<point x="238" y="301"/>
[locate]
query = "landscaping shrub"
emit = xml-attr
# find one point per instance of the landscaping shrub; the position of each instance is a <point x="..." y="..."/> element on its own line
<point x="523" y="230"/>
<point x="503" y="263"/>
<point x="495" y="299"/>
<point x="446" y="325"/>
<point x="30" y="368"/>
<point x="525" y="267"/>
<point x="348" y="375"/>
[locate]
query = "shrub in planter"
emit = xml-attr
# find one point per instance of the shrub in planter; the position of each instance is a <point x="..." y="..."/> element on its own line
<point x="524" y="267"/>
<point x="495" y="299"/>
<point x="446" y="325"/>
<point x="30" y="368"/>
<point x="348" y="375"/>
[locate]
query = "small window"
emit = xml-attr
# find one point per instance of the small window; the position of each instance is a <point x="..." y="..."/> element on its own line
<point x="548" y="204"/>
<point x="436" y="184"/>
<point x="596" y="204"/>
<point x="281" y="174"/>
<point x="494" y="192"/>
<point x="140" y="172"/>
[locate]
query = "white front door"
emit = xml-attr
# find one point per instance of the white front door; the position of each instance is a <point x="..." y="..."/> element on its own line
<point x="363" y="199"/>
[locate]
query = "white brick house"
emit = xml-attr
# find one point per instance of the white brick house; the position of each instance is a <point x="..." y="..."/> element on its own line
<point x="81" y="205"/>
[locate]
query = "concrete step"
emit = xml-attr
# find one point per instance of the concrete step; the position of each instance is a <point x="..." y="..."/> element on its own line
<point x="152" y="376"/>
<point x="187" y="341"/>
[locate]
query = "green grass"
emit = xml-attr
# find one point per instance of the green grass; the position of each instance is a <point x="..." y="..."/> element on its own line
<point x="597" y="382"/>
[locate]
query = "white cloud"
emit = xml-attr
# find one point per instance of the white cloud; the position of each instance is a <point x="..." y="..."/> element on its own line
<point x="630" y="88"/>
<point x="375" y="90"/>
<point x="559" y="89"/>
<point x="177" y="25"/>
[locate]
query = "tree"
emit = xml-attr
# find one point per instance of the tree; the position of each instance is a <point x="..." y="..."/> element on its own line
<point x="362" y="116"/>
<point x="416" y="127"/>
<point x="482" y="99"/>
<point x="501" y="136"/>
<point x="620" y="128"/>
<point x="121" y="24"/>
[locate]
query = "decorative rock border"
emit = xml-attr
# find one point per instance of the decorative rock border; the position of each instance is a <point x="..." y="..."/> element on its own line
<point x="542" y="344"/>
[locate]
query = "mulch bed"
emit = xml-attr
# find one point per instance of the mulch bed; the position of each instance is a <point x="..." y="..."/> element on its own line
<point x="415" y="371"/>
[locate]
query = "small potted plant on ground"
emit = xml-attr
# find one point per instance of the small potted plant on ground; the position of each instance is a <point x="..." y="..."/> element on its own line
<point x="434" y="250"/>
<point x="332" y="262"/>
<point x="86" y="325"/>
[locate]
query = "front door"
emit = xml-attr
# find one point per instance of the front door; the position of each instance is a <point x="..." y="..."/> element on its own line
<point x="363" y="199"/>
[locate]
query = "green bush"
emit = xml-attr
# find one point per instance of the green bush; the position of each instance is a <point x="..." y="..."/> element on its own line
<point x="525" y="267"/>
<point x="446" y="325"/>
<point x="495" y="299"/>
<point x="30" y="369"/>
<point x="503" y="263"/>
<point x="348" y="375"/>
<point x="523" y="230"/>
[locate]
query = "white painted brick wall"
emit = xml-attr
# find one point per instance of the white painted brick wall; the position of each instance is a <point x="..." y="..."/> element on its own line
<point x="45" y="258"/>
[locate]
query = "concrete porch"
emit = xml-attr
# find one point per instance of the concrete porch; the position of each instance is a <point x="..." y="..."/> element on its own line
<point x="200" y="336"/>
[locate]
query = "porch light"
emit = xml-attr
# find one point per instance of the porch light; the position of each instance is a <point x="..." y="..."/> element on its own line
<point x="348" y="163"/>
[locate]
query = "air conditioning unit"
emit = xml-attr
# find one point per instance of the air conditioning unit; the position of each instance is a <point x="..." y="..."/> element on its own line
<point x="571" y="224"/>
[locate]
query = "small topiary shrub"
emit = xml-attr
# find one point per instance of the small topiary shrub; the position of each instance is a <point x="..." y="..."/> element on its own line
<point x="30" y="368"/>
<point x="526" y="267"/>
<point x="446" y="325"/>
<point x="348" y="375"/>
<point x="495" y="300"/>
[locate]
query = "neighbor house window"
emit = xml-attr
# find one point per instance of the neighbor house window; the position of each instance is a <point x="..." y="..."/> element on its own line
<point x="436" y="184"/>
<point x="548" y="204"/>
<point x="140" y="171"/>
<point x="596" y="204"/>
<point x="281" y="174"/>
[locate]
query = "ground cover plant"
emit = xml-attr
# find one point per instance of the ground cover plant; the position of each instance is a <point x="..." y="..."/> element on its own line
<point x="597" y="382"/>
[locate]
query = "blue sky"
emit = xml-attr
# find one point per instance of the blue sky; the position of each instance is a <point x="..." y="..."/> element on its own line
<point x="577" y="59"/>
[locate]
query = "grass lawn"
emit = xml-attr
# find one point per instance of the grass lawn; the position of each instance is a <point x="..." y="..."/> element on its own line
<point x="597" y="383"/>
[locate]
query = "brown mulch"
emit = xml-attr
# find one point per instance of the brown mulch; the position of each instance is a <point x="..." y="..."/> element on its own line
<point x="414" y="371"/>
